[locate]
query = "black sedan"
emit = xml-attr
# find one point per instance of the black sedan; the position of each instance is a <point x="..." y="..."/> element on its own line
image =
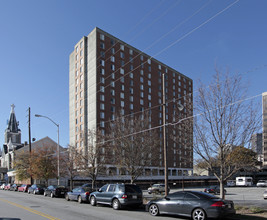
<point x="80" y="194"/>
<point x="36" y="189"/>
<point x="194" y="204"/>
<point x="55" y="191"/>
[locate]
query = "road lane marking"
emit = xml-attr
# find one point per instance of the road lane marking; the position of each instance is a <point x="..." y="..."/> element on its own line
<point x="30" y="210"/>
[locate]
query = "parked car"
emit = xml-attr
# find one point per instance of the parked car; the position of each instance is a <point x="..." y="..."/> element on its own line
<point x="3" y="186"/>
<point x="55" y="191"/>
<point x="14" y="187"/>
<point x="230" y="183"/>
<point x="117" y="195"/>
<point x="214" y="189"/>
<point x="36" y="189"/>
<point x="7" y="187"/>
<point x="157" y="188"/>
<point x="24" y="188"/>
<point x="262" y="183"/>
<point x="80" y="194"/>
<point x="194" y="204"/>
<point x="265" y="194"/>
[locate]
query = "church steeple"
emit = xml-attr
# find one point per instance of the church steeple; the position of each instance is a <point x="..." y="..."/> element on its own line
<point x="13" y="132"/>
<point x="12" y="123"/>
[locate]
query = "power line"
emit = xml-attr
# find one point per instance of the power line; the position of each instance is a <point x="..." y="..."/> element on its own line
<point x="183" y="119"/>
<point x="183" y="36"/>
<point x="189" y="94"/>
<point x="178" y="25"/>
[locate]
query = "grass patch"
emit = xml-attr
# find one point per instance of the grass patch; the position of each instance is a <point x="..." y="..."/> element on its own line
<point x="248" y="210"/>
<point x="256" y="210"/>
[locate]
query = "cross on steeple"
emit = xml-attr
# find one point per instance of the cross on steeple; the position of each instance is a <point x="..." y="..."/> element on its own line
<point x="12" y="108"/>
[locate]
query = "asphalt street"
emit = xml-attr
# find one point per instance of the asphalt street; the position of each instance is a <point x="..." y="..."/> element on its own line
<point x="37" y="207"/>
<point x="25" y="206"/>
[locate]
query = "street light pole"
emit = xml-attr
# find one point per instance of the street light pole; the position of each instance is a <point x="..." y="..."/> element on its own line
<point x="58" y="173"/>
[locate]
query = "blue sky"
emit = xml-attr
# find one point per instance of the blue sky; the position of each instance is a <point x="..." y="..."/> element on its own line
<point x="191" y="36"/>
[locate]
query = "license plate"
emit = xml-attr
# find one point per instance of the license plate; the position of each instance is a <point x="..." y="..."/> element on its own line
<point x="134" y="197"/>
<point x="62" y="192"/>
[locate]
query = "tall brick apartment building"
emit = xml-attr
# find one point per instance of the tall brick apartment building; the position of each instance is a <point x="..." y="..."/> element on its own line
<point x="108" y="76"/>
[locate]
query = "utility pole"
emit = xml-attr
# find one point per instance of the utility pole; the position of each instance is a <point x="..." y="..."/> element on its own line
<point x="30" y="143"/>
<point x="164" y="135"/>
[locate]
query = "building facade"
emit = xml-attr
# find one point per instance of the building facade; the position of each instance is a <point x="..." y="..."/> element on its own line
<point x="256" y="145"/>
<point x="264" y="126"/>
<point x="108" y="77"/>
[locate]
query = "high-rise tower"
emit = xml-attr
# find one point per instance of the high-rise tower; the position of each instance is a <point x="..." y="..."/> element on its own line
<point x="108" y="77"/>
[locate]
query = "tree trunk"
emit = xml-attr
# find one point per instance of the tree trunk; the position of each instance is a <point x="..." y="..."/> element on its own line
<point x="132" y="179"/>
<point x="222" y="195"/>
<point x="71" y="183"/>
<point x="93" y="183"/>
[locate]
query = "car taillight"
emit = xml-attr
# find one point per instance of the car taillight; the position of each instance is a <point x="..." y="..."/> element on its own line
<point x="218" y="204"/>
<point x="124" y="196"/>
<point x="87" y="193"/>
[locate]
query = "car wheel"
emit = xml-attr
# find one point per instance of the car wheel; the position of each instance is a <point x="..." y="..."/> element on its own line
<point x="199" y="214"/>
<point x="34" y="192"/>
<point x="51" y="195"/>
<point x="45" y="194"/>
<point x="28" y="191"/>
<point x="153" y="210"/>
<point x="67" y="197"/>
<point x="93" y="201"/>
<point x="116" y="204"/>
<point x="80" y="199"/>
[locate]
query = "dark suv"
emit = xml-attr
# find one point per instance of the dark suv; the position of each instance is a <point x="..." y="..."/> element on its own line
<point x="117" y="195"/>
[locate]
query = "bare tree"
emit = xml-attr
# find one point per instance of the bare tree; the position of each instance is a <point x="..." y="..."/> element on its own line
<point x="134" y="144"/>
<point x="225" y="120"/>
<point x="181" y="129"/>
<point x="70" y="160"/>
<point x="94" y="156"/>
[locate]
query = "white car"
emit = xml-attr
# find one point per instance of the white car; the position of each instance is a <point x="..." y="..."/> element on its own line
<point x="3" y="186"/>
<point x="265" y="194"/>
<point x="262" y="183"/>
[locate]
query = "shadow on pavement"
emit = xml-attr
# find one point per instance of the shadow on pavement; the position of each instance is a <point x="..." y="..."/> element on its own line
<point x="10" y="219"/>
<point x="247" y="217"/>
